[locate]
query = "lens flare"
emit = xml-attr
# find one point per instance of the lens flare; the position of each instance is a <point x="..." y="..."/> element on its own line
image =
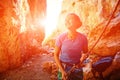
<point x="53" y="10"/>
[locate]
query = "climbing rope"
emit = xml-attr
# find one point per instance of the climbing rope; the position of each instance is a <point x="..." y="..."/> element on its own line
<point x="115" y="8"/>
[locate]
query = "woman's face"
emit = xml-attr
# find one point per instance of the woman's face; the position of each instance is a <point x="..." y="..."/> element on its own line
<point x="72" y="22"/>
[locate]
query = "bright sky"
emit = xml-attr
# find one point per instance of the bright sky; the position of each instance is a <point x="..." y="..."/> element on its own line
<point x="53" y="10"/>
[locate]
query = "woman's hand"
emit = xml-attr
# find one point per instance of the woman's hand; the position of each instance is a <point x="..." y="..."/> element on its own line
<point x="84" y="56"/>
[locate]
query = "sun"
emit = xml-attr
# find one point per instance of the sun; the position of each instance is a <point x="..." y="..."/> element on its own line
<point x="52" y="14"/>
<point x="53" y="11"/>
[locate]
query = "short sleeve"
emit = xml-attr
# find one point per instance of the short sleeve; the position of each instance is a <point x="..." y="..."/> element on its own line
<point x="85" y="47"/>
<point x="59" y="40"/>
<point x="84" y="43"/>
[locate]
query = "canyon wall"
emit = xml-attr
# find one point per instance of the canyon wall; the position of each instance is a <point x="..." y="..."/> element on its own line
<point x="20" y="30"/>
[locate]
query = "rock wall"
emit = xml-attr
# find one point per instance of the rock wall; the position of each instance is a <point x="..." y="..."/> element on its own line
<point x="17" y="37"/>
<point x="9" y="41"/>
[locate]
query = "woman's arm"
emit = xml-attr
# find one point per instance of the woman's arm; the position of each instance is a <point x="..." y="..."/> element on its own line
<point x="58" y="62"/>
<point x="83" y="57"/>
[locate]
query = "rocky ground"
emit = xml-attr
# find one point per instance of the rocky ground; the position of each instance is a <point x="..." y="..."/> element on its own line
<point x="43" y="67"/>
<point x="30" y="70"/>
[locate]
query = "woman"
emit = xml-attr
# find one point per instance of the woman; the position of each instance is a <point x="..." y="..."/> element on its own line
<point x="70" y="45"/>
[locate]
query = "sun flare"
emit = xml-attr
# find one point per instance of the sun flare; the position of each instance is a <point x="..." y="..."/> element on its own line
<point x="53" y="10"/>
